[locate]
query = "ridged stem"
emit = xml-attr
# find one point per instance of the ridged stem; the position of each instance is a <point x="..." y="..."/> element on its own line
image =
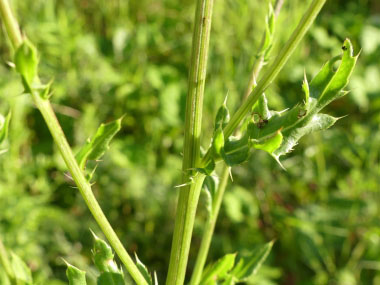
<point x="209" y="228"/>
<point x="189" y="194"/>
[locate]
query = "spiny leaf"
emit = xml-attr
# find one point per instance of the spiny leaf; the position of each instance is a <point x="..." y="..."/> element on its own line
<point x="26" y="61"/>
<point x="218" y="270"/>
<point x="21" y="271"/>
<point x="75" y="275"/>
<point x="110" y="278"/>
<point x="4" y="126"/>
<point x="103" y="256"/>
<point x="144" y="271"/>
<point x="97" y="146"/>
<point x="261" y="108"/>
<point x="235" y="150"/>
<point x="292" y="136"/>
<point x="249" y="265"/>
<point x="222" y="116"/>
<point x="304" y="118"/>
<point x="271" y="144"/>
<point x="217" y="142"/>
<point x="210" y="185"/>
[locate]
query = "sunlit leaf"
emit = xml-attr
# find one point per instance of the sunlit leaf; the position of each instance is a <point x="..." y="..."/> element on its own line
<point x="271" y="144"/>
<point x="4" y="126"/>
<point x="75" y="275"/>
<point x="110" y="278"/>
<point x="222" y="116"/>
<point x="219" y="269"/>
<point x="103" y="256"/>
<point x="235" y="150"/>
<point x="26" y="61"/>
<point x="292" y="136"/>
<point x="144" y="270"/>
<point x="217" y="142"/>
<point x="21" y="271"/>
<point x="99" y="144"/>
<point x="249" y="265"/>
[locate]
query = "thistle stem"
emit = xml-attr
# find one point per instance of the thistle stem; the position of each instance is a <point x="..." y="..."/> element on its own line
<point x="189" y="195"/>
<point x="83" y="185"/>
<point x="209" y="228"/>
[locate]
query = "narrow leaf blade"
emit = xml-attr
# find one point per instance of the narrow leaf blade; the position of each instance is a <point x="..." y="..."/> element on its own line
<point x="99" y="144"/>
<point x="248" y="266"/>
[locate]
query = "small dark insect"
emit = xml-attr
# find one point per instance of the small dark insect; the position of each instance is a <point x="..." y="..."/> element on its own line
<point x="344" y="48"/>
<point x="262" y="123"/>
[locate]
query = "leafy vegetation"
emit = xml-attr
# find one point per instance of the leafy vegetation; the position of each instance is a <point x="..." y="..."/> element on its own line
<point x="130" y="60"/>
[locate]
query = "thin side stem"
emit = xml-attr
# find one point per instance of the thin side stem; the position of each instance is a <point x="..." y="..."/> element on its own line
<point x="209" y="228"/>
<point x="83" y="185"/>
<point x="10" y="23"/>
<point x="189" y="195"/>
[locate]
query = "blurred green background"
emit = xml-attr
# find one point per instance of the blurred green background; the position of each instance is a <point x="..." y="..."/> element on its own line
<point x="115" y="57"/>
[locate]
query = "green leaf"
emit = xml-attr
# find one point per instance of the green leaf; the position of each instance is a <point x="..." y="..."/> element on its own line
<point x="208" y="169"/>
<point x="306" y="91"/>
<point x="249" y="265"/>
<point x="229" y="280"/>
<point x="269" y="30"/>
<point x="217" y="142"/>
<point x="222" y="116"/>
<point x="218" y="270"/>
<point x="110" y="278"/>
<point x="97" y="146"/>
<point x="261" y="108"/>
<point x="210" y="185"/>
<point x="21" y="271"/>
<point x="144" y="271"/>
<point x="303" y="119"/>
<point x="26" y="61"/>
<point x="4" y="126"/>
<point x="292" y="136"/>
<point x="75" y="275"/>
<point x="103" y="256"/>
<point x="235" y="150"/>
<point x="271" y="144"/>
<point x="328" y="84"/>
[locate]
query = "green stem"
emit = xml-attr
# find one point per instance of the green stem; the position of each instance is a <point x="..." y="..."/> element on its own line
<point x="189" y="195"/>
<point x="10" y="23"/>
<point x="4" y="261"/>
<point x="209" y="228"/>
<point x="83" y="185"/>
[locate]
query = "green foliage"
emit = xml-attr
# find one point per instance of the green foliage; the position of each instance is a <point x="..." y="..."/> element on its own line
<point x="75" y="275"/>
<point x="249" y="265"/>
<point x="99" y="144"/>
<point x="132" y="58"/>
<point x="26" y="61"/>
<point x="219" y="270"/>
<point x="226" y="271"/>
<point x="22" y="273"/>
<point x="4" y="126"/>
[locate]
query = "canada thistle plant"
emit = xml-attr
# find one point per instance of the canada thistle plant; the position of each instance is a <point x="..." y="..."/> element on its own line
<point x="252" y="127"/>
